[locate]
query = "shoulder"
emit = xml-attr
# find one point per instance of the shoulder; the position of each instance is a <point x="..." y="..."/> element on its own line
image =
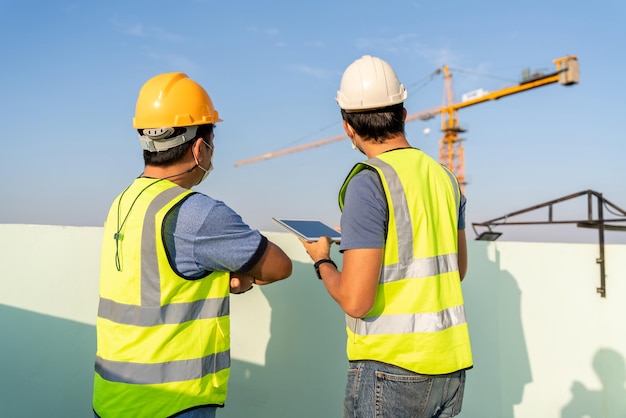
<point x="198" y="206"/>
<point x="366" y="179"/>
<point x="200" y="216"/>
<point x="364" y="218"/>
<point x="205" y="234"/>
<point x="199" y="200"/>
<point x="211" y="215"/>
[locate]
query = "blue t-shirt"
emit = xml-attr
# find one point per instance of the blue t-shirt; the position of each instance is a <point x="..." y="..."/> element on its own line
<point x="203" y="234"/>
<point x="364" y="217"/>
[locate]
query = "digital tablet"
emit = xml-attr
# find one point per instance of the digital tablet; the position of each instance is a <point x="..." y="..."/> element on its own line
<point x="309" y="229"/>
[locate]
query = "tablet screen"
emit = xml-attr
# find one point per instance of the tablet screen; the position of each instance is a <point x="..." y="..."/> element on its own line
<point x="309" y="229"/>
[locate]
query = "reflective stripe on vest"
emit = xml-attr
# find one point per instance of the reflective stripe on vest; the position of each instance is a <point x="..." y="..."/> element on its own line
<point x="422" y="267"/>
<point x="174" y="313"/>
<point x="407" y="323"/>
<point x="172" y="371"/>
<point x="399" y="324"/>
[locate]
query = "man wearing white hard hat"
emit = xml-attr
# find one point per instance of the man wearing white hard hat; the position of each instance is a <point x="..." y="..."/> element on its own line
<point x="404" y="257"/>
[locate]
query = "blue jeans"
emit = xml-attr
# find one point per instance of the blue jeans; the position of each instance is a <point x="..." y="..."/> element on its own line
<point x="207" y="412"/>
<point x="377" y="389"/>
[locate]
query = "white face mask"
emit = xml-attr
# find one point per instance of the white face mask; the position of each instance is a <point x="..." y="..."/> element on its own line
<point x="206" y="170"/>
<point x="354" y="147"/>
<point x="352" y="134"/>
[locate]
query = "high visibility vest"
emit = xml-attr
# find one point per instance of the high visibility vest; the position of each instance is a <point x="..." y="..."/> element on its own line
<point x="163" y="341"/>
<point x="418" y="318"/>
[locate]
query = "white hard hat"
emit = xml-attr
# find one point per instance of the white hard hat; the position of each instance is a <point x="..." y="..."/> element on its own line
<point x="369" y="83"/>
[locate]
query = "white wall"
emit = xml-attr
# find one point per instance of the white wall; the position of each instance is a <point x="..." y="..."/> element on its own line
<point x="545" y="343"/>
<point x="543" y="339"/>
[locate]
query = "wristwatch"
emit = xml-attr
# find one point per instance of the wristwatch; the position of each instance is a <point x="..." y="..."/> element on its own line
<point x="319" y="263"/>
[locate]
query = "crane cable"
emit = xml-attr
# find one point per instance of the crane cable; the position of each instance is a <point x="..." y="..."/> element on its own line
<point x="459" y="70"/>
<point x="412" y="88"/>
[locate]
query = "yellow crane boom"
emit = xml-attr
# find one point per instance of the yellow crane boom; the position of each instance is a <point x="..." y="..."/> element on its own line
<point x="429" y="114"/>
<point x="451" y="153"/>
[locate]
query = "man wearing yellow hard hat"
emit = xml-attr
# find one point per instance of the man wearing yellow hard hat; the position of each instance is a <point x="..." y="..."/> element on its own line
<point x="404" y="256"/>
<point x="170" y="259"/>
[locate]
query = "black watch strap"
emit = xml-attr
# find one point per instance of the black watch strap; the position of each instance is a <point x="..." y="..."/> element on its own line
<point x="319" y="263"/>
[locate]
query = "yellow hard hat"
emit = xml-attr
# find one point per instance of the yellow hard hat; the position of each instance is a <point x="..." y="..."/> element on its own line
<point x="173" y="100"/>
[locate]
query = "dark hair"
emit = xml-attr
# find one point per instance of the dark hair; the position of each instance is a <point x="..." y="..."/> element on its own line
<point x="377" y="124"/>
<point x="174" y="155"/>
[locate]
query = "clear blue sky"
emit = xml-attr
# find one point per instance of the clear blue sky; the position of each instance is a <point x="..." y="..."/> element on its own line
<point x="71" y="71"/>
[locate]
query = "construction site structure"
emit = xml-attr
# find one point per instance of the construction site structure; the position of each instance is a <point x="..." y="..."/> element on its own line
<point x="451" y="151"/>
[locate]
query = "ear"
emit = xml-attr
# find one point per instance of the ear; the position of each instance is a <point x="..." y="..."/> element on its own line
<point x="349" y="130"/>
<point x="404" y="112"/>
<point x="195" y="148"/>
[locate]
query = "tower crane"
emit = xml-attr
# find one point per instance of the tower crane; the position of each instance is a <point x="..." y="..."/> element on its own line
<point x="451" y="152"/>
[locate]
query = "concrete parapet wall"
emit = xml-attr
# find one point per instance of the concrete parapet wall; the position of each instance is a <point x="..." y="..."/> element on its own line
<point x="545" y="343"/>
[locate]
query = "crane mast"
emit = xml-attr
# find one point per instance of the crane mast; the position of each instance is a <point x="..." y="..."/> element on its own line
<point x="451" y="152"/>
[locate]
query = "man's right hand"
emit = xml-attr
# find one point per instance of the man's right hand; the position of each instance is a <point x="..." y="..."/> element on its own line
<point x="240" y="282"/>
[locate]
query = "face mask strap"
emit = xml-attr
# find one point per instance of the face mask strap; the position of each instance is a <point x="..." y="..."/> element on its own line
<point x="206" y="171"/>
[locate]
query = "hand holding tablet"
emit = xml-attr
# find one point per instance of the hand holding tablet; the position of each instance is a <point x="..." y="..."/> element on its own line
<point x="309" y="229"/>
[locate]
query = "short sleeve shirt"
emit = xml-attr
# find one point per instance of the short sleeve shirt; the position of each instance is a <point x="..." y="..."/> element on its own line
<point x="203" y="235"/>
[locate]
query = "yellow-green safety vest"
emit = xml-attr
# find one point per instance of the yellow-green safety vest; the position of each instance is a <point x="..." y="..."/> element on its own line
<point x="418" y="318"/>
<point x="163" y="341"/>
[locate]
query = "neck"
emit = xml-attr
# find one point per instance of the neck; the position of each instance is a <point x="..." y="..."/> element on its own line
<point x="372" y="149"/>
<point x="185" y="177"/>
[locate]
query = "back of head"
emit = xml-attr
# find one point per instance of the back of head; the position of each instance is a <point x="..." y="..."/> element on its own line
<point x="169" y="110"/>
